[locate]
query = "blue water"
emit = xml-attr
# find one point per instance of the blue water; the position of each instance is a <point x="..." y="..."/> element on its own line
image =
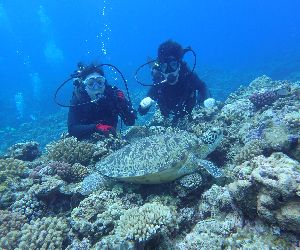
<point x="235" y="41"/>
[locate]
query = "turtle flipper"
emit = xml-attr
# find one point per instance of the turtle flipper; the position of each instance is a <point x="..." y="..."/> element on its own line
<point x="211" y="168"/>
<point x="92" y="183"/>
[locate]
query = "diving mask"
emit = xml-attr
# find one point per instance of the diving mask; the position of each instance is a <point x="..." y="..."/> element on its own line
<point x="169" y="70"/>
<point x="94" y="82"/>
<point x="172" y="77"/>
<point x="169" y="66"/>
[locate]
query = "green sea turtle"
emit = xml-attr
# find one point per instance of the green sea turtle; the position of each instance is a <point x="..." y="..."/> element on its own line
<point x="159" y="158"/>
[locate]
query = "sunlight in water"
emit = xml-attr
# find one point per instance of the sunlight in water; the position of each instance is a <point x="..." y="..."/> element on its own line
<point x="105" y="36"/>
<point x="52" y="53"/>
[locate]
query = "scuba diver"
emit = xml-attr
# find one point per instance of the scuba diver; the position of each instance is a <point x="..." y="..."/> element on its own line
<point x="175" y="87"/>
<point x="96" y="105"/>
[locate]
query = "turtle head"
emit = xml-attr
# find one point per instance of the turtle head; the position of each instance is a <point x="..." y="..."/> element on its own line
<point x="209" y="141"/>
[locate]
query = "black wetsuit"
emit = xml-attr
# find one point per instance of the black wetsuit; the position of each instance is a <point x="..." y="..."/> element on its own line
<point x="82" y="120"/>
<point x="178" y="99"/>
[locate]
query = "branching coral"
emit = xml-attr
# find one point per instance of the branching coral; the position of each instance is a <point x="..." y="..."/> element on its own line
<point x="140" y="224"/>
<point x="29" y="206"/>
<point x="10" y="226"/>
<point x="71" y="151"/>
<point x="250" y="150"/>
<point x="45" y="233"/>
<point x="10" y="172"/>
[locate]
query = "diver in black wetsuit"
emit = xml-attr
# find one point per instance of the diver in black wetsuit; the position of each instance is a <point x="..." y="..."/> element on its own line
<point x="95" y="105"/>
<point x="175" y="87"/>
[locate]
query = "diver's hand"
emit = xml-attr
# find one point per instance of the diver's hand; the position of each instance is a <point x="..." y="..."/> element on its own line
<point x="105" y="129"/>
<point x="146" y="102"/>
<point x="209" y="102"/>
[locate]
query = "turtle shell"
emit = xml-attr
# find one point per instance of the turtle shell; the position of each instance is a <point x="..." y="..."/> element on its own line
<point x="154" y="159"/>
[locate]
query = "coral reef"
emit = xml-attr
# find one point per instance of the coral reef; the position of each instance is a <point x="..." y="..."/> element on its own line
<point x="10" y="221"/>
<point x="68" y="172"/>
<point x="55" y="201"/>
<point x="44" y="233"/>
<point x="97" y="214"/>
<point x="292" y="119"/>
<point x="29" y="206"/>
<point x="250" y="150"/>
<point x="256" y="235"/>
<point x="210" y="233"/>
<point x="271" y="190"/>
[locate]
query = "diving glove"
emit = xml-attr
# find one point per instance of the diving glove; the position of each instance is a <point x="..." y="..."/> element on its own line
<point x="146" y="102"/>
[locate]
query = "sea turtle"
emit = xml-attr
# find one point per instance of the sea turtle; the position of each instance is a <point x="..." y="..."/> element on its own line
<point x="160" y="158"/>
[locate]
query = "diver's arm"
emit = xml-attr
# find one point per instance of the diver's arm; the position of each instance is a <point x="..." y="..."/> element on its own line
<point x="145" y="105"/>
<point x="201" y="87"/>
<point x="125" y="109"/>
<point x="148" y="101"/>
<point x="75" y="128"/>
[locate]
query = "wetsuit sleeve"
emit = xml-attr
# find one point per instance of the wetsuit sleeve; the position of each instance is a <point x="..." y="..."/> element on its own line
<point x="125" y="109"/>
<point x="200" y="86"/>
<point x="153" y="91"/>
<point x="75" y="128"/>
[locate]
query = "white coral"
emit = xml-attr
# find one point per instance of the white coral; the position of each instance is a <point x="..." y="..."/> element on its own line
<point x="142" y="223"/>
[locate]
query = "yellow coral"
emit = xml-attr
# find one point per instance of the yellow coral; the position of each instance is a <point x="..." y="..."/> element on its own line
<point x="10" y="171"/>
<point x="71" y="151"/>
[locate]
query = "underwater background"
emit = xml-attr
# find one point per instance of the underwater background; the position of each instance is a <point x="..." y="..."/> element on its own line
<point x="238" y="183"/>
<point x="42" y="42"/>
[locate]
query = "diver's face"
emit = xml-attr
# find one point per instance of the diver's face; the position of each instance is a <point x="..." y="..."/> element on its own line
<point x="172" y="78"/>
<point x="169" y="66"/>
<point x="170" y="70"/>
<point x="94" y="85"/>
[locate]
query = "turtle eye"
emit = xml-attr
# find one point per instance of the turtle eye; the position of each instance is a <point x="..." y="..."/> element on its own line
<point x="211" y="136"/>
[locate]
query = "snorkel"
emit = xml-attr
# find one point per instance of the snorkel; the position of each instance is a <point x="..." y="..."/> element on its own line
<point x="77" y="77"/>
<point x="170" y="77"/>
